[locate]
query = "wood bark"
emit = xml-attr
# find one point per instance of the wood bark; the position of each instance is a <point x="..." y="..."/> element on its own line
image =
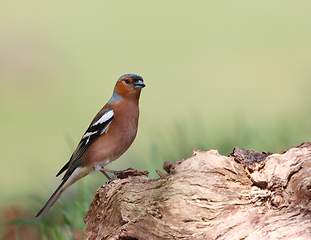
<point x="246" y="195"/>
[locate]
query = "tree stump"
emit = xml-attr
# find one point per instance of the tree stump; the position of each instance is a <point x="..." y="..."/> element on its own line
<point x="246" y="195"/>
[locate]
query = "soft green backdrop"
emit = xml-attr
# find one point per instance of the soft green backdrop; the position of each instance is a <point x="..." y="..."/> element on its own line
<point x="212" y="68"/>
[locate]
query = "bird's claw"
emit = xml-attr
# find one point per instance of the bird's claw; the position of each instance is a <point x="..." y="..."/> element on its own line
<point x="118" y="174"/>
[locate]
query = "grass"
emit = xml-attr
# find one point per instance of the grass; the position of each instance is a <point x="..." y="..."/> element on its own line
<point x="64" y="221"/>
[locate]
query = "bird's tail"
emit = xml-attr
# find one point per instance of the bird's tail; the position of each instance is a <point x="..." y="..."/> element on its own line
<point x="58" y="192"/>
<point x="73" y="174"/>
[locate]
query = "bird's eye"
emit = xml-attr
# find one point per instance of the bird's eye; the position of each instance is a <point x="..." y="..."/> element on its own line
<point x="127" y="81"/>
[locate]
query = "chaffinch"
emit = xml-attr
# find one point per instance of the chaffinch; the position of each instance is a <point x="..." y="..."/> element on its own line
<point x="109" y="135"/>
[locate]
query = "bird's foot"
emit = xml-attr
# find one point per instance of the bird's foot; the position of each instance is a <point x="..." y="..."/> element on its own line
<point x="119" y="174"/>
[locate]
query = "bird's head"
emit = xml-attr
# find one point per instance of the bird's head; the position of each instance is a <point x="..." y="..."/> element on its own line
<point x="127" y="86"/>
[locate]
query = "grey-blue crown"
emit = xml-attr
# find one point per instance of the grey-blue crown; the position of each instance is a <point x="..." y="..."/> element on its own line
<point x="133" y="76"/>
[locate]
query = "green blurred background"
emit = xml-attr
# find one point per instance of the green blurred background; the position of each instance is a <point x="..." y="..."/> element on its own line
<point x="219" y="74"/>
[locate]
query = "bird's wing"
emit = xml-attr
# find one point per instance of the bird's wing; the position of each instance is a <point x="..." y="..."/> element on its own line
<point x="98" y="127"/>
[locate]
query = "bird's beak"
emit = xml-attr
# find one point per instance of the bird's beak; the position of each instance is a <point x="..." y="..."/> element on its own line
<point x="139" y="84"/>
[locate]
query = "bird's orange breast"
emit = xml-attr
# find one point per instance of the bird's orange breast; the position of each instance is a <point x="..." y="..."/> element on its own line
<point x="118" y="138"/>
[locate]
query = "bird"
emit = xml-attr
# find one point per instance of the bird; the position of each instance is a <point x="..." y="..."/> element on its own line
<point x="110" y="134"/>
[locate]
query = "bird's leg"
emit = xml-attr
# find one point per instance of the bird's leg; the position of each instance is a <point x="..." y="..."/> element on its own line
<point x="104" y="172"/>
<point x="116" y="173"/>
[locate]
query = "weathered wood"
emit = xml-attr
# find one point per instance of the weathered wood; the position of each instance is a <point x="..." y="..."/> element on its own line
<point x="245" y="195"/>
